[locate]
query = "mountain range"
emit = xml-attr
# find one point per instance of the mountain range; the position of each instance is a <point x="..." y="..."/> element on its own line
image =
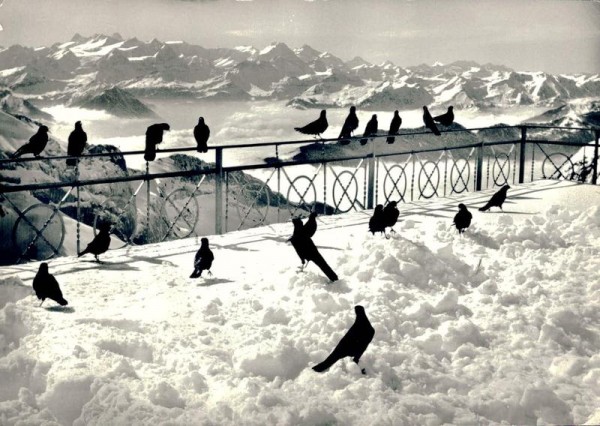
<point x="87" y="67"/>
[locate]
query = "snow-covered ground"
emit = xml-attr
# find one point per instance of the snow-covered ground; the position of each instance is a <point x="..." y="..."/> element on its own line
<point x="500" y="325"/>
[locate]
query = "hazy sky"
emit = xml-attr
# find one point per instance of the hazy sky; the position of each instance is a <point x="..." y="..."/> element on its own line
<point x="550" y="35"/>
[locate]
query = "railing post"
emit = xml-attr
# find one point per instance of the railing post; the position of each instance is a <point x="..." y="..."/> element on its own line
<point x="479" y="176"/>
<point x="219" y="191"/>
<point x="595" y="164"/>
<point x="147" y="202"/>
<point x="371" y="178"/>
<point x="78" y="208"/>
<point x="522" y="154"/>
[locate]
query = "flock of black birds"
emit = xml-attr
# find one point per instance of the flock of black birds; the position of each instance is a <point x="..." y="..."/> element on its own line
<point x="317" y="127"/>
<point x="357" y="339"/>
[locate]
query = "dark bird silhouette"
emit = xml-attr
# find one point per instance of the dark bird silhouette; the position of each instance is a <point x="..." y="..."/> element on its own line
<point x="100" y="243"/>
<point x="307" y="250"/>
<point x="377" y="221"/>
<point x="350" y="125"/>
<point x="46" y="286"/>
<point x="201" y="134"/>
<point x="390" y="215"/>
<point x="36" y="143"/>
<point x="77" y="140"/>
<point x="446" y="119"/>
<point x="154" y="136"/>
<point x="497" y="199"/>
<point x="370" y="129"/>
<point x="354" y="343"/>
<point x="429" y="123"/>
<point x="2" y="212"/>
<point x="203" y="260"/>
<point x="394" y="126"/>
<point x="310" y="227"/>
<point x="316" y="127"/>
<point x="462" y="220"/>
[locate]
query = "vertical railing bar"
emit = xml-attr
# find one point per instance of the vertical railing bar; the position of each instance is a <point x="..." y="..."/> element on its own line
<point x="324" y="188"/>
<point x="78" y="207"/>
<point x="523" y="144"/>
<point x="219" y="191"/>
<point x="226" y="202"/>
<point x="147" y="201"/>
<point x="595" y="162"/>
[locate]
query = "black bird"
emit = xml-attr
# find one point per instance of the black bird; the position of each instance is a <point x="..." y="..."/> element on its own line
<point x="307" y="250"/>
<point x="201" y="134"/>
<point x="2" y="212"/>
<point x="310" y="227"/>
<point x="462" y="220"/>
<point x="377" y="221"/>
<point x="350" y="125"/>
<point x="203" y="260"/>
<point x="36" y="143"/>
<point x="394" y="126"/>
<point x="429" y="123"/>
<point x="446" y="119"/>
<point x="390" y="215"/>
<point x="46" y="286"/>
<point x="354" y="343"/>
<point x="154" y="136"/>
<point x="100" y="243"/>
<point x="316" y="127"/>
<point x="497" y="199"/>
<point x="370" y="129"/>
<point x="77" y="140"/>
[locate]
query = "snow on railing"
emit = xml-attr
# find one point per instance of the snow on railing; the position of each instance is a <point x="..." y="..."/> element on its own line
<point x="278" y="189"/>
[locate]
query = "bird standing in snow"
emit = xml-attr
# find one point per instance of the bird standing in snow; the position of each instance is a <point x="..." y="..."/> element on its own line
<point x="316" y="127"/>
<point x="36" y="143"/>
<point x="429" y="123"/>
<point x="462" y="219"/>
<point x="497" y="199"/>
<point x="154" y="136"/>
<point x="201" y="134"/>
<point x="354" y="343"/>
<point x="100" y="243"/>
<point x="77" y="140"/>
<point x="394" y="126"/>
<point x="310" y="227"/>
<point x="203" y="260"/>
<point x="390" y="215"/>
<point x="350" y="125"/>
<point x="377" y="221"/>
<point x="370" y="129"/>
<point x="46" y="286"/>
<point x="307" y="250"/>
<point x="446" y="119"/>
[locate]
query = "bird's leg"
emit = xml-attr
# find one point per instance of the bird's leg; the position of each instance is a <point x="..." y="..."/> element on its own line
<point x="97" y="260"/>
<point x="387" y="237"/>
<point x="42" y="302"/>
<point x="209" y="273"/>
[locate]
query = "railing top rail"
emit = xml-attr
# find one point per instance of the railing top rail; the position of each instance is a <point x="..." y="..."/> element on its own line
<point x="284" y="143"/>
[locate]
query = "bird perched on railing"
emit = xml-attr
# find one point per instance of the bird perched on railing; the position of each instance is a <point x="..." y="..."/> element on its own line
<point x="370" y="129"/>
<point x="307" y="250"/>
<point x="100" y="243"/>
<point x="497" y="199"/>
<point x="46" y="286"/>
<point x="154" y="136"/>
<point x="77" y="141"/>
<point x="390" y="215"/>
<point x="462" y="219"/>
<point x="446" y="119"/>
<point x="201" y="134"/>
<point x="316" y="127"/>
<point x="354" y="343"/>
<point x="310" y="227"/>
<point x="203" y="259"/>
<point x="429" y="123"/>
<point x="350" y="125"/>
<point x="36" y="143"/>
<point x="394" y="126"/>
<point x="377" y="221"/>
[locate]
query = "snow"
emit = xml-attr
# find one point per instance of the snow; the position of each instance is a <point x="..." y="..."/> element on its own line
<point x="500" y="325"/>
<point x="10" y="71"/>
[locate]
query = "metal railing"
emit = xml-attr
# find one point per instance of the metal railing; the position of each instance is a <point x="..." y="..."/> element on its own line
<point x="275" y="190"/>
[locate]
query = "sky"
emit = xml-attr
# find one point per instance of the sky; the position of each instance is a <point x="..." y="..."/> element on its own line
<point x="556" y="36"/>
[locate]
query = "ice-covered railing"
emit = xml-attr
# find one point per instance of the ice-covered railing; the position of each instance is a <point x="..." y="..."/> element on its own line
<point x="205" y="198"/>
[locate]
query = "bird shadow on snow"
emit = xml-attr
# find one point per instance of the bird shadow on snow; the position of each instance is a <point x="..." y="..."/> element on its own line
<point x="63" y="309"/>
<point x="482" y="239"/>
<point x="152" y="260"/>
<point x="213" y="281"/>
<point x="113" y="266"/>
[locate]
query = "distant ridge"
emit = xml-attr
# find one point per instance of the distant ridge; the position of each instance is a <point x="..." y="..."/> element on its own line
<point x="117" y="102"/>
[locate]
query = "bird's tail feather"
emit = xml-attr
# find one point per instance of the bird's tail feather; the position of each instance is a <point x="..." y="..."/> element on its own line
<point x="197" y="273"/>
<point x="320" y="262"/>
<point x="17" y="153"/>
<point x="82" y="253"/>
<point x="485" y="208"/>
<point x="391" y="140"/>
<point x="319" y="368"/>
